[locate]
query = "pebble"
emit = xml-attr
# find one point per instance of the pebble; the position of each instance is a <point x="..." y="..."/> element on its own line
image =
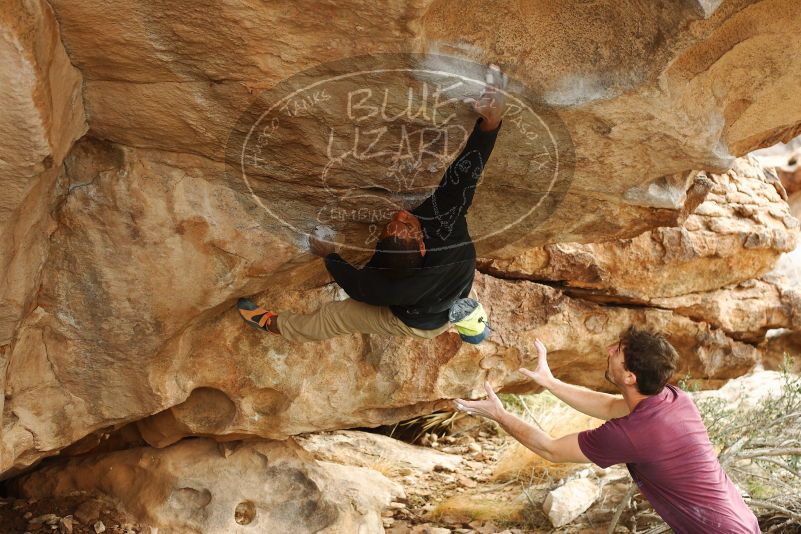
<point x="65" y="525"/>
<point x="27" y="515"/>
<point x="466" y="482"/>
<point x="388" y="522"/>
<point x="426" y="528"/>
<point x="99" y="527"/>
<point x="49" y="519"/>
<point x="397" y="505"/>
<point x="474" y="447"/>
<point x="88" y="512"/>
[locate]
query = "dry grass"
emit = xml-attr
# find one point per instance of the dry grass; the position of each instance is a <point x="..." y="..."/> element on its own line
<point x="518" y="468"/>
<point x="388" y="468"/>
<point x="557" y="419"/>
<point x="439" y="423"/>
<point x="482" y="507"/>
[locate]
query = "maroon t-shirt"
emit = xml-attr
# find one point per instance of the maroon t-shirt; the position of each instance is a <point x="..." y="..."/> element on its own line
<point x="666" y="448"/>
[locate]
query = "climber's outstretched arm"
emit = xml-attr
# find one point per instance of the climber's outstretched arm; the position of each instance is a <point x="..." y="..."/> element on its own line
<point x="564" y="449"/>
<point x="454" y="195"/>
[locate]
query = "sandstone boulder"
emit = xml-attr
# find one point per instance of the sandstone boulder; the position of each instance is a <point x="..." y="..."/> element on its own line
<point x="409" y="377"/>
<point x="737" y="232"/>
<point x="201" y="487"/>
<point x="704" y="83"/>
<point x="570" y="500"/>
<point x="785" y="342"/>
<point x="778" y="348"/>
<point x="785" y="158"/>
<point x="363" y="449"/>
<point x="219" y="378"/>
<point x="41" y="115"/>
<point x="123" y="256"/>
<point x="747" y="391"/>
<point x="172" y="354"/>
<point x="745" y="311"/>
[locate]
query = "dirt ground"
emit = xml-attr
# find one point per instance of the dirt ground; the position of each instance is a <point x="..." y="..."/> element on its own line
<point x="497" y="489"/>
<point x="472" y="499"/>
<point x="79" y="513"/>
<point x="483" y="497"/>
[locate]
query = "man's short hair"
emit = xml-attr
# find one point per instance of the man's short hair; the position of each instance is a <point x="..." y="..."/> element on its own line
<point x="651" y="358"/>
<point x="397" y="255"/>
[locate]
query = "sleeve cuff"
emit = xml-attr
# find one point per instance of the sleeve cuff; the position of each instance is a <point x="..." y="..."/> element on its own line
<point x="477" y="127"/>
<point x="589" y="452"/>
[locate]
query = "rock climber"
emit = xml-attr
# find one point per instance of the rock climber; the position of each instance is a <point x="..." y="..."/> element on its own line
<point x="423" y="265"/>
<point x="652" y="427"/>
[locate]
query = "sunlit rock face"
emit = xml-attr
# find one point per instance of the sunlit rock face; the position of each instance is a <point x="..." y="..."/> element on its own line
<point x="709" y="268"/>
<point x="127" y="235"/>
<point x="738" y="229"/>
<point x="201" y="487"/>
<point x="700" y="86"/>
<point x="785" y="159"/>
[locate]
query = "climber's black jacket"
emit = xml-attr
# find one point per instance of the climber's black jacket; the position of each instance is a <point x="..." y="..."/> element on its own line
<point x="421" y="298"/>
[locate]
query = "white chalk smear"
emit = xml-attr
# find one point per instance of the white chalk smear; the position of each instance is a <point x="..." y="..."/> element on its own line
<point x="323" y="232"/>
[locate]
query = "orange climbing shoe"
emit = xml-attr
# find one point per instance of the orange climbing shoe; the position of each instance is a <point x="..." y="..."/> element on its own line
<point x="254" y="315"/>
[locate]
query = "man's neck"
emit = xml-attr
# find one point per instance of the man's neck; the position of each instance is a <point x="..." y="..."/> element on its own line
<point x="632" y="397"/>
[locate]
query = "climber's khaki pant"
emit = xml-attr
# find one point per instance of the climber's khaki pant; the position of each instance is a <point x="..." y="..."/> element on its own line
<point x="343" y="317"/>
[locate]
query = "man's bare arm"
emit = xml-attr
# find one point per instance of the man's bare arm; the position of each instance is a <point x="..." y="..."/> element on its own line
<point x="564" y="449"/>
<point x="593" y="403"/>
<point x="559" y="450"/>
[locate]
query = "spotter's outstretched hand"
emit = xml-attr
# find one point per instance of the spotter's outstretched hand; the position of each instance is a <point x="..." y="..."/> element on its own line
<point x="491" y="407"/>
<point x="542" y="373"/>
